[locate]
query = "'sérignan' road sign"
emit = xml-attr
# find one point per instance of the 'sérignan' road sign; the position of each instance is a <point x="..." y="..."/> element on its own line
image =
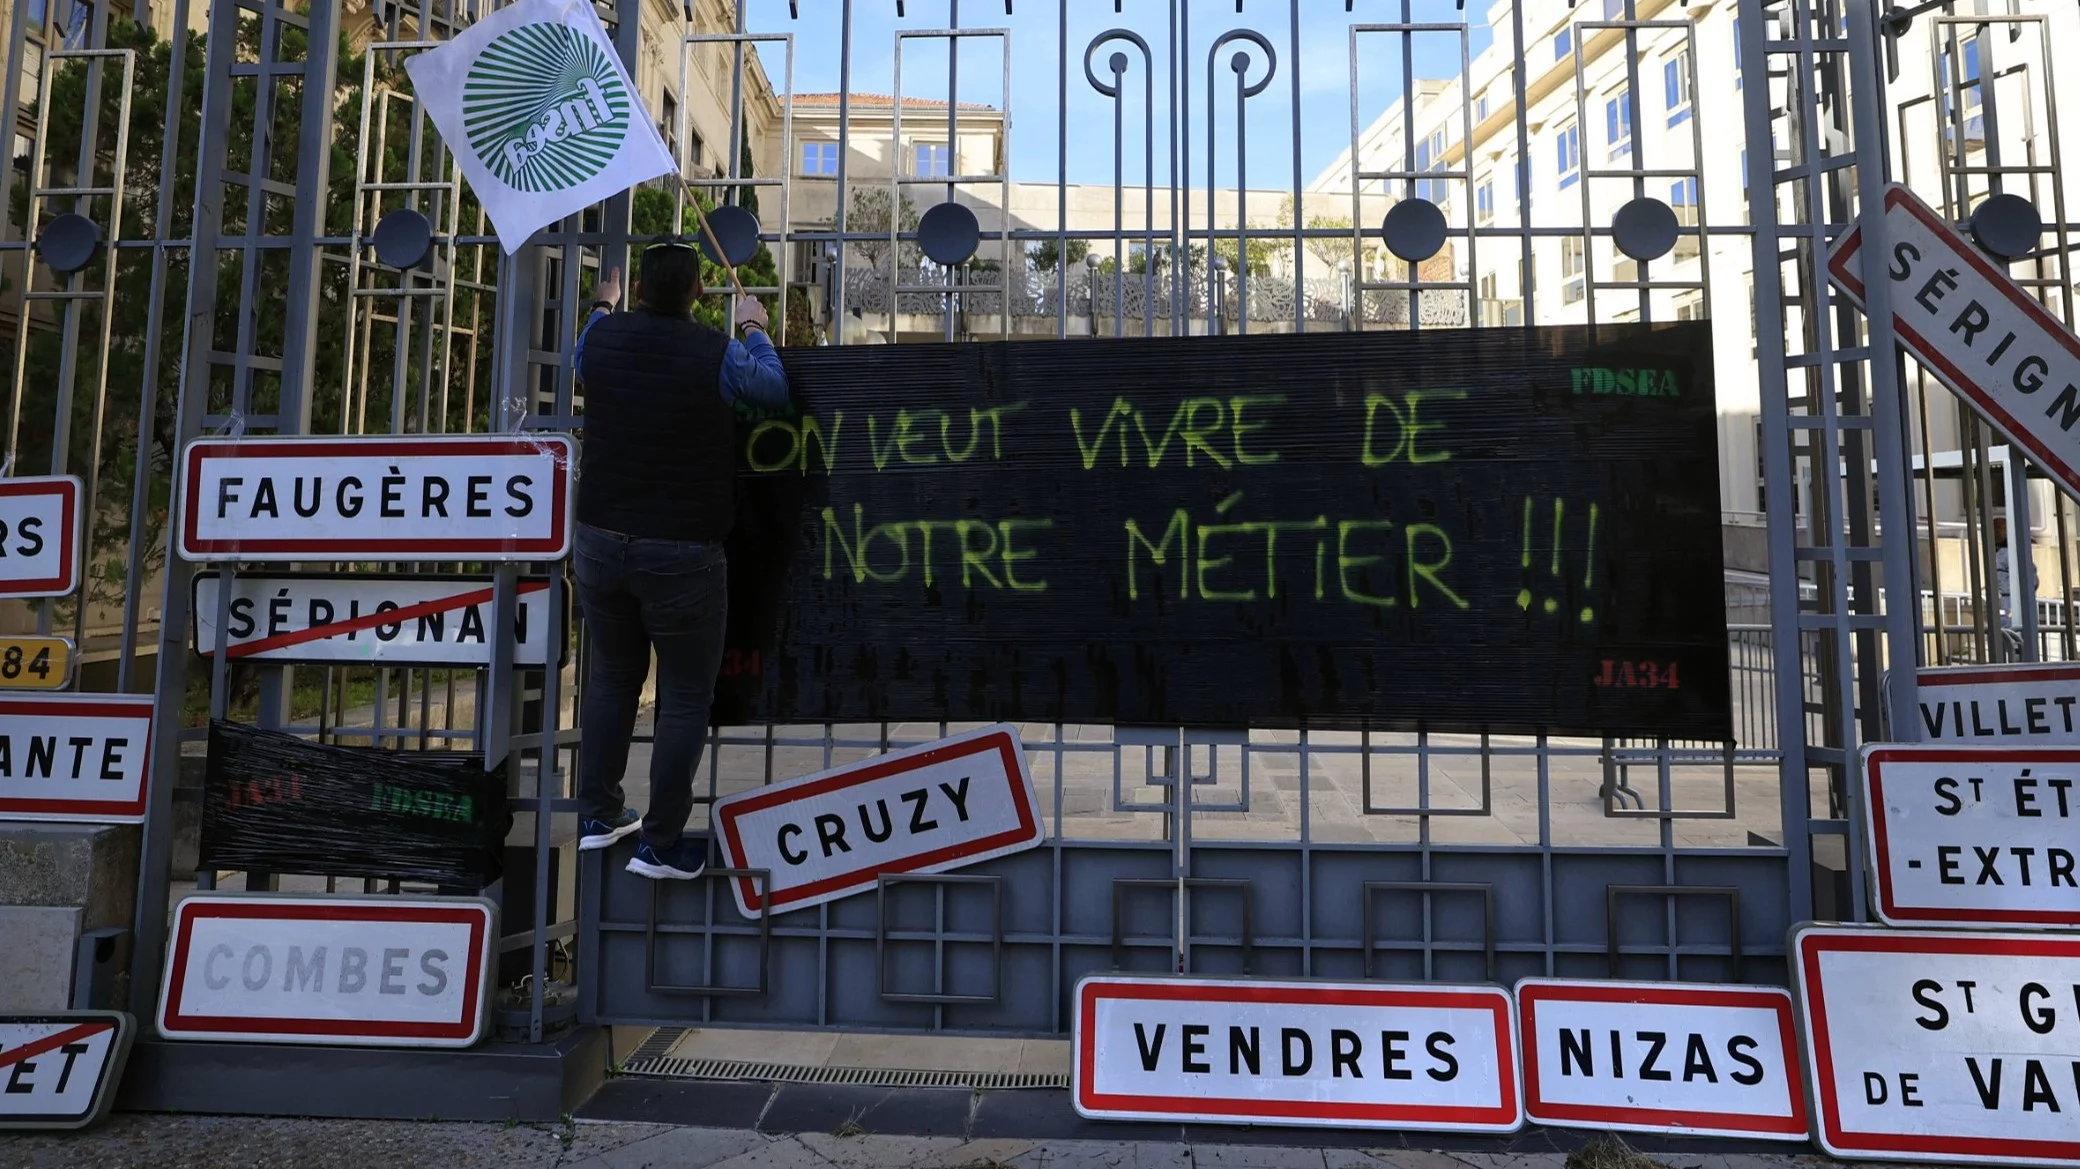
<point x="83" y="758"/>
<point x="1424" y="1056"/>
<point x="312" y="968"/>
<point x="1975" y="328"/>
<point x="366" y="619"/>
<point x="39" y="536"/>
<point x="1950" y="1047"/>
<point x="2004" y="705"/>
<point x="1974" y="836"/>
<point x="412" y="498"/>
<point x="928" y="809"/>
<point x="60" y="1070"/>
<point x="1661" y="1057"/>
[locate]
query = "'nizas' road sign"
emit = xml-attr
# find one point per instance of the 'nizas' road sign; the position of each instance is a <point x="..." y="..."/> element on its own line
<point x="1661" y="1057"/>
<point x="368" y="619"/>
<point x="421" y="497"/>
<point x="929" y="809"/>
<point x="1957" y="1048"/>
<point x="1974" y="836"/>
<point x="61" y="1070"/>
<point x="1424" y="1056"/>
<point x="39" y="536"/>
<point x="1964" y="319"/>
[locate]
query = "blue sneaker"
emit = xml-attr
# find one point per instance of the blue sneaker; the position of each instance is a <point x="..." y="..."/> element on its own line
<point x="594" y="834"/>
<point x="679" y="862"/>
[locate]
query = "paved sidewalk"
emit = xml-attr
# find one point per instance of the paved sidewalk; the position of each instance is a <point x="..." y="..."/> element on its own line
<point x="132" y="1141"/>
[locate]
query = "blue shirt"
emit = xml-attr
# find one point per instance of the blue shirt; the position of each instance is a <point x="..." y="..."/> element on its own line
<point x="751" y="370"/>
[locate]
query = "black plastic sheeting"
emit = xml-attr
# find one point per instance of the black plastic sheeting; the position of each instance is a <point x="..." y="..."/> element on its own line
<point x="275" y="803"/>
<point x="1457" y="529"/>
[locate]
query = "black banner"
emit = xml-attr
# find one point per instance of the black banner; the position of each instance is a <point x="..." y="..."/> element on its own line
<point x="273" y="802"/>
<point x="1503" y="529"/>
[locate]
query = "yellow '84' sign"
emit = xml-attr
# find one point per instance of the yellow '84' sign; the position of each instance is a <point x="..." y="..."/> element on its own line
<point x="35" y="663"/>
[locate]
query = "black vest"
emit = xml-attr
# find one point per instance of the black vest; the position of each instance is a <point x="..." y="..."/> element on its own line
<point x="660" y="443"/>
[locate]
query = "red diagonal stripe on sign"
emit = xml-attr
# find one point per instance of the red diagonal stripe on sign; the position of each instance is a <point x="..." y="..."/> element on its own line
<point x="51" y="1042"/>
<point x="367" y="621"/>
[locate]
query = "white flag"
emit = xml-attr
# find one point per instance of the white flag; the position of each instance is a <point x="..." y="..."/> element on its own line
<point x="540" y="115"/>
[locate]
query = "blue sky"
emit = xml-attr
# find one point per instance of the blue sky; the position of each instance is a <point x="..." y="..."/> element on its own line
<point x="1323" y="72"/>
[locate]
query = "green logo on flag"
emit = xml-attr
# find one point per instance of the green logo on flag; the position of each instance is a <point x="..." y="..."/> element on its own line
<point x="544" y="108"/>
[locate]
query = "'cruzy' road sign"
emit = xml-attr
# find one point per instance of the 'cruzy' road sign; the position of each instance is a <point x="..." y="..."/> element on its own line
<point x="1975" y="328"/>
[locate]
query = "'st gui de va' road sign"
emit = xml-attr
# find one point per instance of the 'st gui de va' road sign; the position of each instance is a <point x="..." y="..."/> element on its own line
<point x="1964" y="319"/>
<point x="1948" y="1047"/>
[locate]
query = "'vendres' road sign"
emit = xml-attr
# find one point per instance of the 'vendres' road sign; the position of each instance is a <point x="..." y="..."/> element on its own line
<point x="39" y="536"/>
<point x="1975" y="328"/>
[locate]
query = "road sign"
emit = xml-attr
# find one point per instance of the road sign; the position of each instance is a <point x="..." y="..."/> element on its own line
<point x="1974" y="836"/>
<point x="35" y="663"/>
<point x="1951" y="1047"/>
<point x="422" y="497"/>
<point x="1683" y="1059"/>
<point x="386" y="972"/>
<point x="928" y="809"/>
<point x="75" y="757"/>
<point x="1975" y="328"/>
<point x="61" y="1070"/>
<point x="39" y="536"/>
<point x="1422" y="1057"/>
<point x="2035" y="702"/>
<point x="364" y="619"/>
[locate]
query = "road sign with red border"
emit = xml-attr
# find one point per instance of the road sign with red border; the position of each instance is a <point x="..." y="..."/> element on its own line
<point x="1948" y="1047"/>
<point x="1662" y="1057"/>
<point x="345" y="971"/>
<point x="82" y="758"/>
<point x="2020" y="703"/>
<point x="375" y="619"/>
<point x="39" y="536"/>
<point x="930" y="809"/>
<point x="1974" y="328"/>
<point x="420" y="497"/>
<point x="1429" y="1057"/>
<point x="60" y="1070"/>
<point x="1974" y="836"/>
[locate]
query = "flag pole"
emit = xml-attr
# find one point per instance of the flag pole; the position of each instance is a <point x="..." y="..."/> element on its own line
<point x="686" y="188"/>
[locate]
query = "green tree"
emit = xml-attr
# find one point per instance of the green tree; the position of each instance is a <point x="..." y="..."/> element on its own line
<point x="870" y="213"/>
<point x="651" y="216"/>
<point x="1044" y="254"/>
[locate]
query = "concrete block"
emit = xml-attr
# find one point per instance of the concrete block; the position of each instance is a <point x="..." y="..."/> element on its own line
<point x="36" y="963"/>
<point x="92" y="867"/>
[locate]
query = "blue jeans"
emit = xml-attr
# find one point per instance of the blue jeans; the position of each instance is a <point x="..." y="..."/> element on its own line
<point x="637" y="594"/>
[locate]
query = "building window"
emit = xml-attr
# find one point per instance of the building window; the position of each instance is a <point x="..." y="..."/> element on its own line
<point x="1484" y="202"/>
<point x="668" y="123"/>
<point x="1677" y="85"/>
<point x="1736" y="52"/>
<point x="819" y="158"/>
<point x="1572" y="262"/>
<point x="32" y="70"/>
<point x="1617" y="120"/>
<point x="1569" y="143"/>
<point x="1613" y="9"/>
<point x="1690" y="307"/>
<point x="1682" y="198"/>
<point x="1480" y="108"/>
<point x="1563" y="44"/>
<point x="77" y="22"/>
<point x="932" y="162"/>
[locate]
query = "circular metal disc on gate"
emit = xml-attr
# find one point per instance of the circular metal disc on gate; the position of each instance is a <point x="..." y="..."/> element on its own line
<point x="949" y="234"/>
<point x="1414" y="229"/>
<point x="736" y="229"/>
<point x="403" y="239"/>
<point x="1644" y="229"/>
<point x="69" y="243"/>
<point x="2007" y="226"/>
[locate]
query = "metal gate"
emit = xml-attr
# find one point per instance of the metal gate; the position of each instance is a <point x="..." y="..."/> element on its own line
<point x="251" y="280"/>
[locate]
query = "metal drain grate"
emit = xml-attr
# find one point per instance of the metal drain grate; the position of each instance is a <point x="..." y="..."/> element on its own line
<point x="735" y="1069"/>
<point x="659" y="1045"/>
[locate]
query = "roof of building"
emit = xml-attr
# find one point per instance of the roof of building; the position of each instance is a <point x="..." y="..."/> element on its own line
<point x="871" y="100"/>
